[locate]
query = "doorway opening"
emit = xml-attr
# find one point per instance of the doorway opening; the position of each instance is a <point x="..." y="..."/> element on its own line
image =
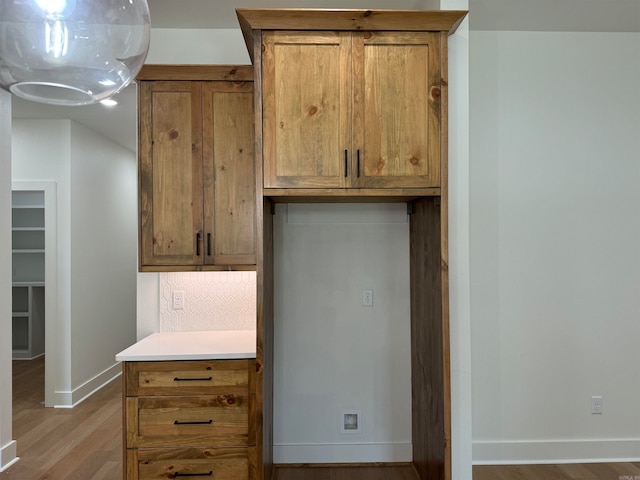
<point x="34" y="277"/>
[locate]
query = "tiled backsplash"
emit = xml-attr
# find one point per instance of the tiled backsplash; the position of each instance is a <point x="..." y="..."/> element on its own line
<point x="212" y="301"/>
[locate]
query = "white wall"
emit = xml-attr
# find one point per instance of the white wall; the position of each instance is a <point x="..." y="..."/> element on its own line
<point x="41" y="151"/>
<point x="459" y="295"/>
<point x="555" y="229"/>
<point x="97" y="243"/>
<point x="104" y="239"/>
<point x="331" y="353"/>
<point x="7" y="444"/>
<point x="197" y="46"/>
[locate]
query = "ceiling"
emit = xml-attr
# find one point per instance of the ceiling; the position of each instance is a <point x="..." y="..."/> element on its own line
<point x="119" y="123"/>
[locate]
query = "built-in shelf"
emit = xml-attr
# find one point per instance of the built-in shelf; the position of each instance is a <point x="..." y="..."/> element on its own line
<point x="28" y="251"/>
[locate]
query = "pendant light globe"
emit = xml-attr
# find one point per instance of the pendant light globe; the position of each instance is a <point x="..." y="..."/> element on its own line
<point x="71" y="52"/>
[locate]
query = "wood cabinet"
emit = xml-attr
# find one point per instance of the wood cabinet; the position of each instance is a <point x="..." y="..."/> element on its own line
<point x="189" y="418"/>
<point x="372" y="82"/>
<point x="351" y="109"/>
<point x="196" y="168"/>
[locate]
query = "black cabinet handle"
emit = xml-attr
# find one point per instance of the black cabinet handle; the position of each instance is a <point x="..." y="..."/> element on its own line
<point x="198" y="235"/>
<point x="178" y="474"/>
<point x="177" y="379"/>
<point x="208" y="244"/>
<point x="178" y="422"/>
<point x="358" y="154"/>
<point x="346" y="163"/>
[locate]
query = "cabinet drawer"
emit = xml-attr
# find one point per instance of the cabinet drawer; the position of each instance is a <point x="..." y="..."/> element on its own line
<point x="202" y="377"/>
<point x="212" y="463"/>
<point x="190" y="421"/>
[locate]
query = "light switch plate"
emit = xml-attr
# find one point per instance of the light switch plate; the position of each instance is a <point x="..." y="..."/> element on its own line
<point x="367" y="297"/>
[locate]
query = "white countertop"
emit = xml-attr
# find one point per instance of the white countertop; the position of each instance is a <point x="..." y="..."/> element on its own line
<point x="208" y="345"/>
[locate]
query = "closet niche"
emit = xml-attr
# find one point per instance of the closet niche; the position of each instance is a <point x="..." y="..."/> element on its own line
<point x="28" y="247"/>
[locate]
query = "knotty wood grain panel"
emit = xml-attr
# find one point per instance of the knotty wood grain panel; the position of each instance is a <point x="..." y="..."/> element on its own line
<point x="321" y="19"/>
<point x="170" y="172"/>
<point x="427" y="353"/>
<point x="159" y="378"/>
<point x="264" y="294"/>
<point x="306" y="108"/>
<point x="230" y="73"/>
<point x="229" y="173"/>
<point x="268" y="338"/>
<point x="196" y="166"/>
<point x="164" y="421"/>
<point x="160" y="464"/>
<point x="396" y="109"/>
<point x="360" y="195"/>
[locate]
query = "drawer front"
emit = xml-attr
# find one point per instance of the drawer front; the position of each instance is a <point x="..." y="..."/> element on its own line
<point x="205" y="463"/>
<point x="190" y="421"/>
<point x="206" y="377"/>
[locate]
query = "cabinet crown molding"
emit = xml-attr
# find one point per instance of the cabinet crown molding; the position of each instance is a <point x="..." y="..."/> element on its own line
<point x="232" y="73"/>
<point x="345" y="19"/>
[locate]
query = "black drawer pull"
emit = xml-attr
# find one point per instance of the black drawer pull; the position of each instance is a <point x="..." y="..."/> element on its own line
<point x="178" y="422"/>
<point x="178" y="474"/>
<point x="208" y="244"/>
<point x="198" y="235"/>
<point x="358" y="162"/>
<point x="177" y="379"/>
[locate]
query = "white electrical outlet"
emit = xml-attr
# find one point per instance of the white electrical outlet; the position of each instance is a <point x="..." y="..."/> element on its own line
<point x="596" y="405"/>
<point x="367" y="297"/>
<point x="178" y="300"/>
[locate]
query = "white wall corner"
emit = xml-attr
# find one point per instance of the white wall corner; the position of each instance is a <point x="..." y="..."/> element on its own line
<point x="459" y="246"/>
<point x="8" y="455"/>
<point x="8" y="446"/>
<point x="147" y="304"/>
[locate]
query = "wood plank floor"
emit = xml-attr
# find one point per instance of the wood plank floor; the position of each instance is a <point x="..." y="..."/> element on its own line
<point x="589" y="471"/>
<point x="346" y="473"/>
<point x="82" y="443"/>
<point x="572" y="471"/>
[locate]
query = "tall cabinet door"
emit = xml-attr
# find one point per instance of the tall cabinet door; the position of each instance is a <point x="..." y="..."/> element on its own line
<point x="229" y="174"/>
<point x="306" y="109"/>
<point x="170" y="173"/>
<point x="396" y="109"/>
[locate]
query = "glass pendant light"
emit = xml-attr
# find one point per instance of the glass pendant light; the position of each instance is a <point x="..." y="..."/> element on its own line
<point x="71" y="52"/>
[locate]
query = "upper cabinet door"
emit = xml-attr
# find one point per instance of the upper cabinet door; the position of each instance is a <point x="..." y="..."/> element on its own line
<point x="306" y="109"/>
<point x="396" y="112"/>
<point x="229" y="174"/>
<point x="170" y="173"/>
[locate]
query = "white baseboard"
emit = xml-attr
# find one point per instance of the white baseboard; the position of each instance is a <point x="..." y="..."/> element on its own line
<point x="555" y="451"/>
<point x="69" y="399"/>
<point x="343" y="453"/>
<point x="8" y="455"/>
